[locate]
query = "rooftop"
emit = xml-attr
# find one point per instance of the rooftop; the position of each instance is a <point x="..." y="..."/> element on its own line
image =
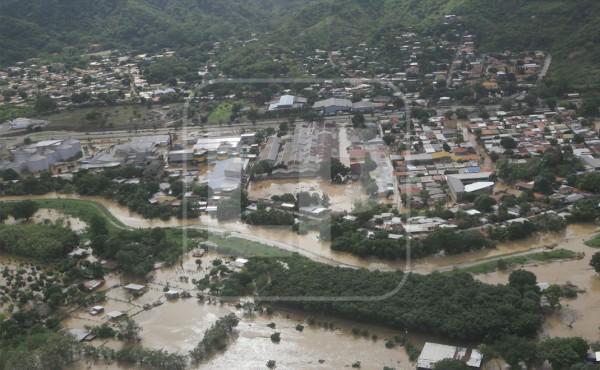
<point x="434" y="352"/>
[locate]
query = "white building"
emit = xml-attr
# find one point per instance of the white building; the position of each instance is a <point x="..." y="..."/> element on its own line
<point x="227" y="175"/>
<point x="288" y="102"/>
<point x="434" y="352"/>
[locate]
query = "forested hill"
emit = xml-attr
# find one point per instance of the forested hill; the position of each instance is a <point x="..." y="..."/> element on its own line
<point x="568" y="29"/>
<point x="34" y="27"/>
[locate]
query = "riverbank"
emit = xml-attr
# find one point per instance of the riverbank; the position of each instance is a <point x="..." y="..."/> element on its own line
<point x="578" y="316"/>
<point x="234" y="236"/>
<point x="177" y="325"/>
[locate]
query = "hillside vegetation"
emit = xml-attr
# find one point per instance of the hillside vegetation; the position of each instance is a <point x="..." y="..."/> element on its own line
<point x="568" y="29"/>
<point x="34" y="27"/>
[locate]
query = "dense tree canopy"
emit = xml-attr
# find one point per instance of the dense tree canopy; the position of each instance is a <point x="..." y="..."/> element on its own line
<point x="595" y="262"/>
<point x="563" y="352"/>
<point x="467" y="309"/>
<point x="41" y="242"/>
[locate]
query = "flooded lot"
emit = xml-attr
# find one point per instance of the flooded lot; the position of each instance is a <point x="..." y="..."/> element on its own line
<point x="53" y="216"/>
<point x="341" y="197"/>
<point x="178" y="325"/>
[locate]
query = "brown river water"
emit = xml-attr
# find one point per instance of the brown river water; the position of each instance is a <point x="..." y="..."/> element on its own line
<point x="579" y="316"/>
<point x="178" y="325"/>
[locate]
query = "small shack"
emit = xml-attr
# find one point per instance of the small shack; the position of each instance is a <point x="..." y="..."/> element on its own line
<point x="79" y="334"/>
<point x="92" y="285"/>
<point x="172" y="294"/>
<point x="96" y="310"/>
<point x="136" y="289"/>
<point x="114" y="315"/>
<point x="240" y="262"/>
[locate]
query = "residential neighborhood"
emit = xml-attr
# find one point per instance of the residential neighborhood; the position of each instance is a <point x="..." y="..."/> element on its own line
<point x="396" y="195"/>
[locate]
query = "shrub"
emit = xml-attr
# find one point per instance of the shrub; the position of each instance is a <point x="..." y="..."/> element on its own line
<point x="276" y="337"/>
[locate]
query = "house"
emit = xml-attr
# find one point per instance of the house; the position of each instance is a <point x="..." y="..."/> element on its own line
<point x="461" y="184"/>
<point x="240" y="262"/>
<point x="172" y="294"/>
<point x="135" y="288"/>
<point x="574" y="198"/>
<point x="92" y="285"/>
<point x="96" y="310"/>
<point x="271" y="150"/>
<point x="356" y="155"/>
<point x="114" y="315"/>
<point x="590" y="162"/>
<point x="79" y="334"/>
<point x="355" y="170"/>
<point x="363" y="107"/>
<point x="434" y="352"/>
<point x="524" y="186"/>
<point x="287" y="102"/>
<point x="78" y="253"/>
<point x="565" y="190"/>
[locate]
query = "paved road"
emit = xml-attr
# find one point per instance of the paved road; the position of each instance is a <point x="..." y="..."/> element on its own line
<point x="545" y="68"/>
<point x="456" y="58"/>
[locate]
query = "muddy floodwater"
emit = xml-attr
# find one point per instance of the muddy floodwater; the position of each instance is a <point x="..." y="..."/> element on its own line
<point x="178" y="325"/>
<point x="53" y="216"/>
<point x="310" y="245"/>
<point x="579" y="316"/>
<point x="341" y="197"/>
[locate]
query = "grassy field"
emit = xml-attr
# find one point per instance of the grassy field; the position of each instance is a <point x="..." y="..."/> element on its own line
<point x="245" y="248"/>
<point x="9" y="112"/>
<point x="222" y="113"/>
<point x="491" y="266"/>
<point x="123" y="117"/>
<point x="594" y="242"/>
<point x="83" y="209"/>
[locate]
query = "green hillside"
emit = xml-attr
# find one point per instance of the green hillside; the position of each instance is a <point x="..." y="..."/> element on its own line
<point x="36" y="27"/>
<point x="568" y="29"/>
